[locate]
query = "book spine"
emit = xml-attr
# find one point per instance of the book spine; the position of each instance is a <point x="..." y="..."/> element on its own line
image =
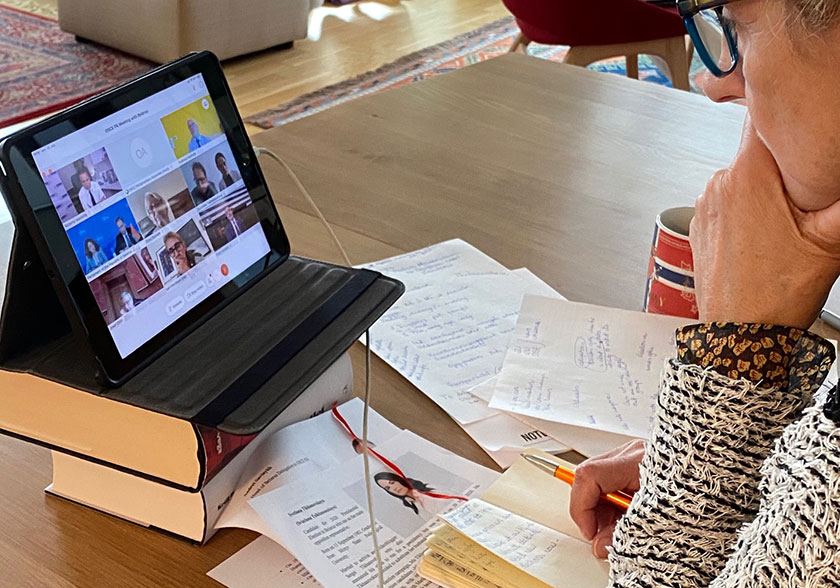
<point x="333" y="386"/>
<point x="218" y="448"/>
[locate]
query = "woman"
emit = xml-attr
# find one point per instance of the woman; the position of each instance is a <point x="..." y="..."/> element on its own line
<point x="158" y="210"/>
<point x="739" y="483"/>
<point x="94" y="256"/>
<point x="184" y="259"/>
<point x="398" y="487"/>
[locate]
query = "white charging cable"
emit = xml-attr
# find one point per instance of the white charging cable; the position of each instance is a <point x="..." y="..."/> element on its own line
<point x="366" y="455"/>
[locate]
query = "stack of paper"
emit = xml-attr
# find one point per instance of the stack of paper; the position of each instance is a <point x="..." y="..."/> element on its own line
<point x="519" y="368"/>
<point x="518" y="535"/>
<point x="450" y="334"/>
<point x="305" y="490"/>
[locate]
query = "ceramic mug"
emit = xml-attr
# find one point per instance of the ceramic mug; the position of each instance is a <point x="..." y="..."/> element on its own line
<point x="670" y="281"/>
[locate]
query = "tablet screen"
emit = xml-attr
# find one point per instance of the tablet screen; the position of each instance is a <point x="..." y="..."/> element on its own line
<point x="155" y="209"/>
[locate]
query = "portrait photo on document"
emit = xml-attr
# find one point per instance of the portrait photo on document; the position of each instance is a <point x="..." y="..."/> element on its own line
<point x="392" y="511"/>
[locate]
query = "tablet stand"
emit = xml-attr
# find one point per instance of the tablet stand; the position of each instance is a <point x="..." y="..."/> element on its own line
<point x="236" y="371"/>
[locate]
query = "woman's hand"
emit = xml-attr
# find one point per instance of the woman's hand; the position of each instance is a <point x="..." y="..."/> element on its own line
<point x="616" y="470"/>
<point x="758" y="258"/>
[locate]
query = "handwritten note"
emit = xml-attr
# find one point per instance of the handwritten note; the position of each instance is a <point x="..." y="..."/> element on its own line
<point x="541" y="552"/>
<point x="451" y="551"/>
<point x="586" y="441"/>
<point x="451" y="328"/>
<point x="586" y="365"/>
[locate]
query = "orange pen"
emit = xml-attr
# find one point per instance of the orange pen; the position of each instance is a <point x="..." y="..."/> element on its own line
<point x="620" y="499"/>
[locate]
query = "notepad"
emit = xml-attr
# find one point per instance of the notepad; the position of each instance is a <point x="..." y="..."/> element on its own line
<point x="518" y="535"/>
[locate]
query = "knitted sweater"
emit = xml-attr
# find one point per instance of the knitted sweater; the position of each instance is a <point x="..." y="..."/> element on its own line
<point x="740" y="486"/>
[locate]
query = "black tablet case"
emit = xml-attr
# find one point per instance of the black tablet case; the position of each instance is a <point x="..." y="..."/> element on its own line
<point x="237" y="371"/>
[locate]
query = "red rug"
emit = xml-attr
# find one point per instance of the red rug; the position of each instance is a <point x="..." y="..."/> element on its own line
<point x="43" y="69"/>
<point x="486" y="42"/>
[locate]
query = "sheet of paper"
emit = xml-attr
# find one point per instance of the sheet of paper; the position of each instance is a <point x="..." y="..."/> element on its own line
<point x="451" y="328"/>
<point x="536" y="495"/>
<point x="503" y="436"/>
<point x="262" y="564"/>
<point x="323" y="519"/>
<point x="296" y="452"/>
<point x="588" y="442"/>
<point x="586" y="365"/>
<point x="546" y="554"/>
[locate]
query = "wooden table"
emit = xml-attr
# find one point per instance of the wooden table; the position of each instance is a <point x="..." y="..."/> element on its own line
<point x="537" y="164"/>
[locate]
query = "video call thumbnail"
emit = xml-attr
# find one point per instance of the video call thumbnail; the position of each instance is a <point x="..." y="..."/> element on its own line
<point x="127" y="285"/>
<point x="192" y="126"/>
<point x="177" y="252"/>
<point x="211" y="173"/>
<point x="225" y="220"/>
<point x="160" y="202"/>
<point x="83" y="184"/>
<point x="105" y="235"/>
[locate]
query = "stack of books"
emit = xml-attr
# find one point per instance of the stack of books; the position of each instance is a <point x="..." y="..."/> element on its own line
<point x="152" y="469"/>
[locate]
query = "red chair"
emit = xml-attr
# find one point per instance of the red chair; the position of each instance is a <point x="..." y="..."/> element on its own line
<point x="598" y="30"/>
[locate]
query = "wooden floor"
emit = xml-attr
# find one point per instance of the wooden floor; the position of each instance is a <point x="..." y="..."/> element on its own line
<point x="343" y="42"/>
<point x="349" y="40"/>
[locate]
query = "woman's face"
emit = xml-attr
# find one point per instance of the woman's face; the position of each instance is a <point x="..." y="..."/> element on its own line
<point x="393" y="487"/>
<point x="91" y="247"/>
<point x="178" y="252"/>
<point x="790" y="82"/>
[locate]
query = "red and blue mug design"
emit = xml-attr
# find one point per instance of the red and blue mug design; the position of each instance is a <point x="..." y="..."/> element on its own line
<point x="670" y="281"/>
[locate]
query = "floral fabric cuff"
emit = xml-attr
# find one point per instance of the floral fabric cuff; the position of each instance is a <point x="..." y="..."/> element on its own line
<point x="770" y="355"/>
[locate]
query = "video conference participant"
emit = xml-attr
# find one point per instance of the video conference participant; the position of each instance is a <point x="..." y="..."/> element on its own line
<point x="198" y="139"/>
<point x="158" y="209"/>
<point x="94" y="256"/>
<point x="229" y="177"/>
<point x="232" y="228"/>
<point x="204" y="188"/>
<point x="90" y="194"/>
<point x="127" y="236"/>
<point x="184" y="259"/>
<point x="127" y="303"/>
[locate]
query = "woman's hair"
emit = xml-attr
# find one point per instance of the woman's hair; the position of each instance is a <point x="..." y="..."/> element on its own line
<point x="411" y="484"/>
<point x="813" y="15"/>
<point x="95" y="247"/>
<point x="152" y="200"/>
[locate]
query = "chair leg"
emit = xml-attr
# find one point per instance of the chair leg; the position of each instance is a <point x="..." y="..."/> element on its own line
<point x="521" y="42"/>
<point x="580" y="55"/>
<point x="689" y="51"/>
<point x="675" y="56"/>
<point x="632" y="65"/>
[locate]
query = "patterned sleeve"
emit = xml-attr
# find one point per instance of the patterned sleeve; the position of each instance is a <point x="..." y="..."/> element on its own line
<point x="723" y="403"/>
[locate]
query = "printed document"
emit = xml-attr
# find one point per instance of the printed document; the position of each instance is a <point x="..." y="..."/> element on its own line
<point x="323" y="519"/>
<point x="296" y="452"/>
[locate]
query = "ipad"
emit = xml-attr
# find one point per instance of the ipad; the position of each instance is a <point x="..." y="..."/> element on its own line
<point x="147" y="207"/>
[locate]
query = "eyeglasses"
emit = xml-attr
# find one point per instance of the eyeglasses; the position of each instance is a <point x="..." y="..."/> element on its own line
<point x="177" y="246"/>
<point x="705" y="23"/>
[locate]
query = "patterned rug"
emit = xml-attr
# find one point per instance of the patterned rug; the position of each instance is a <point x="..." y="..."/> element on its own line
<point x="486" y="42"/>
<point x="43" y="69"/>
